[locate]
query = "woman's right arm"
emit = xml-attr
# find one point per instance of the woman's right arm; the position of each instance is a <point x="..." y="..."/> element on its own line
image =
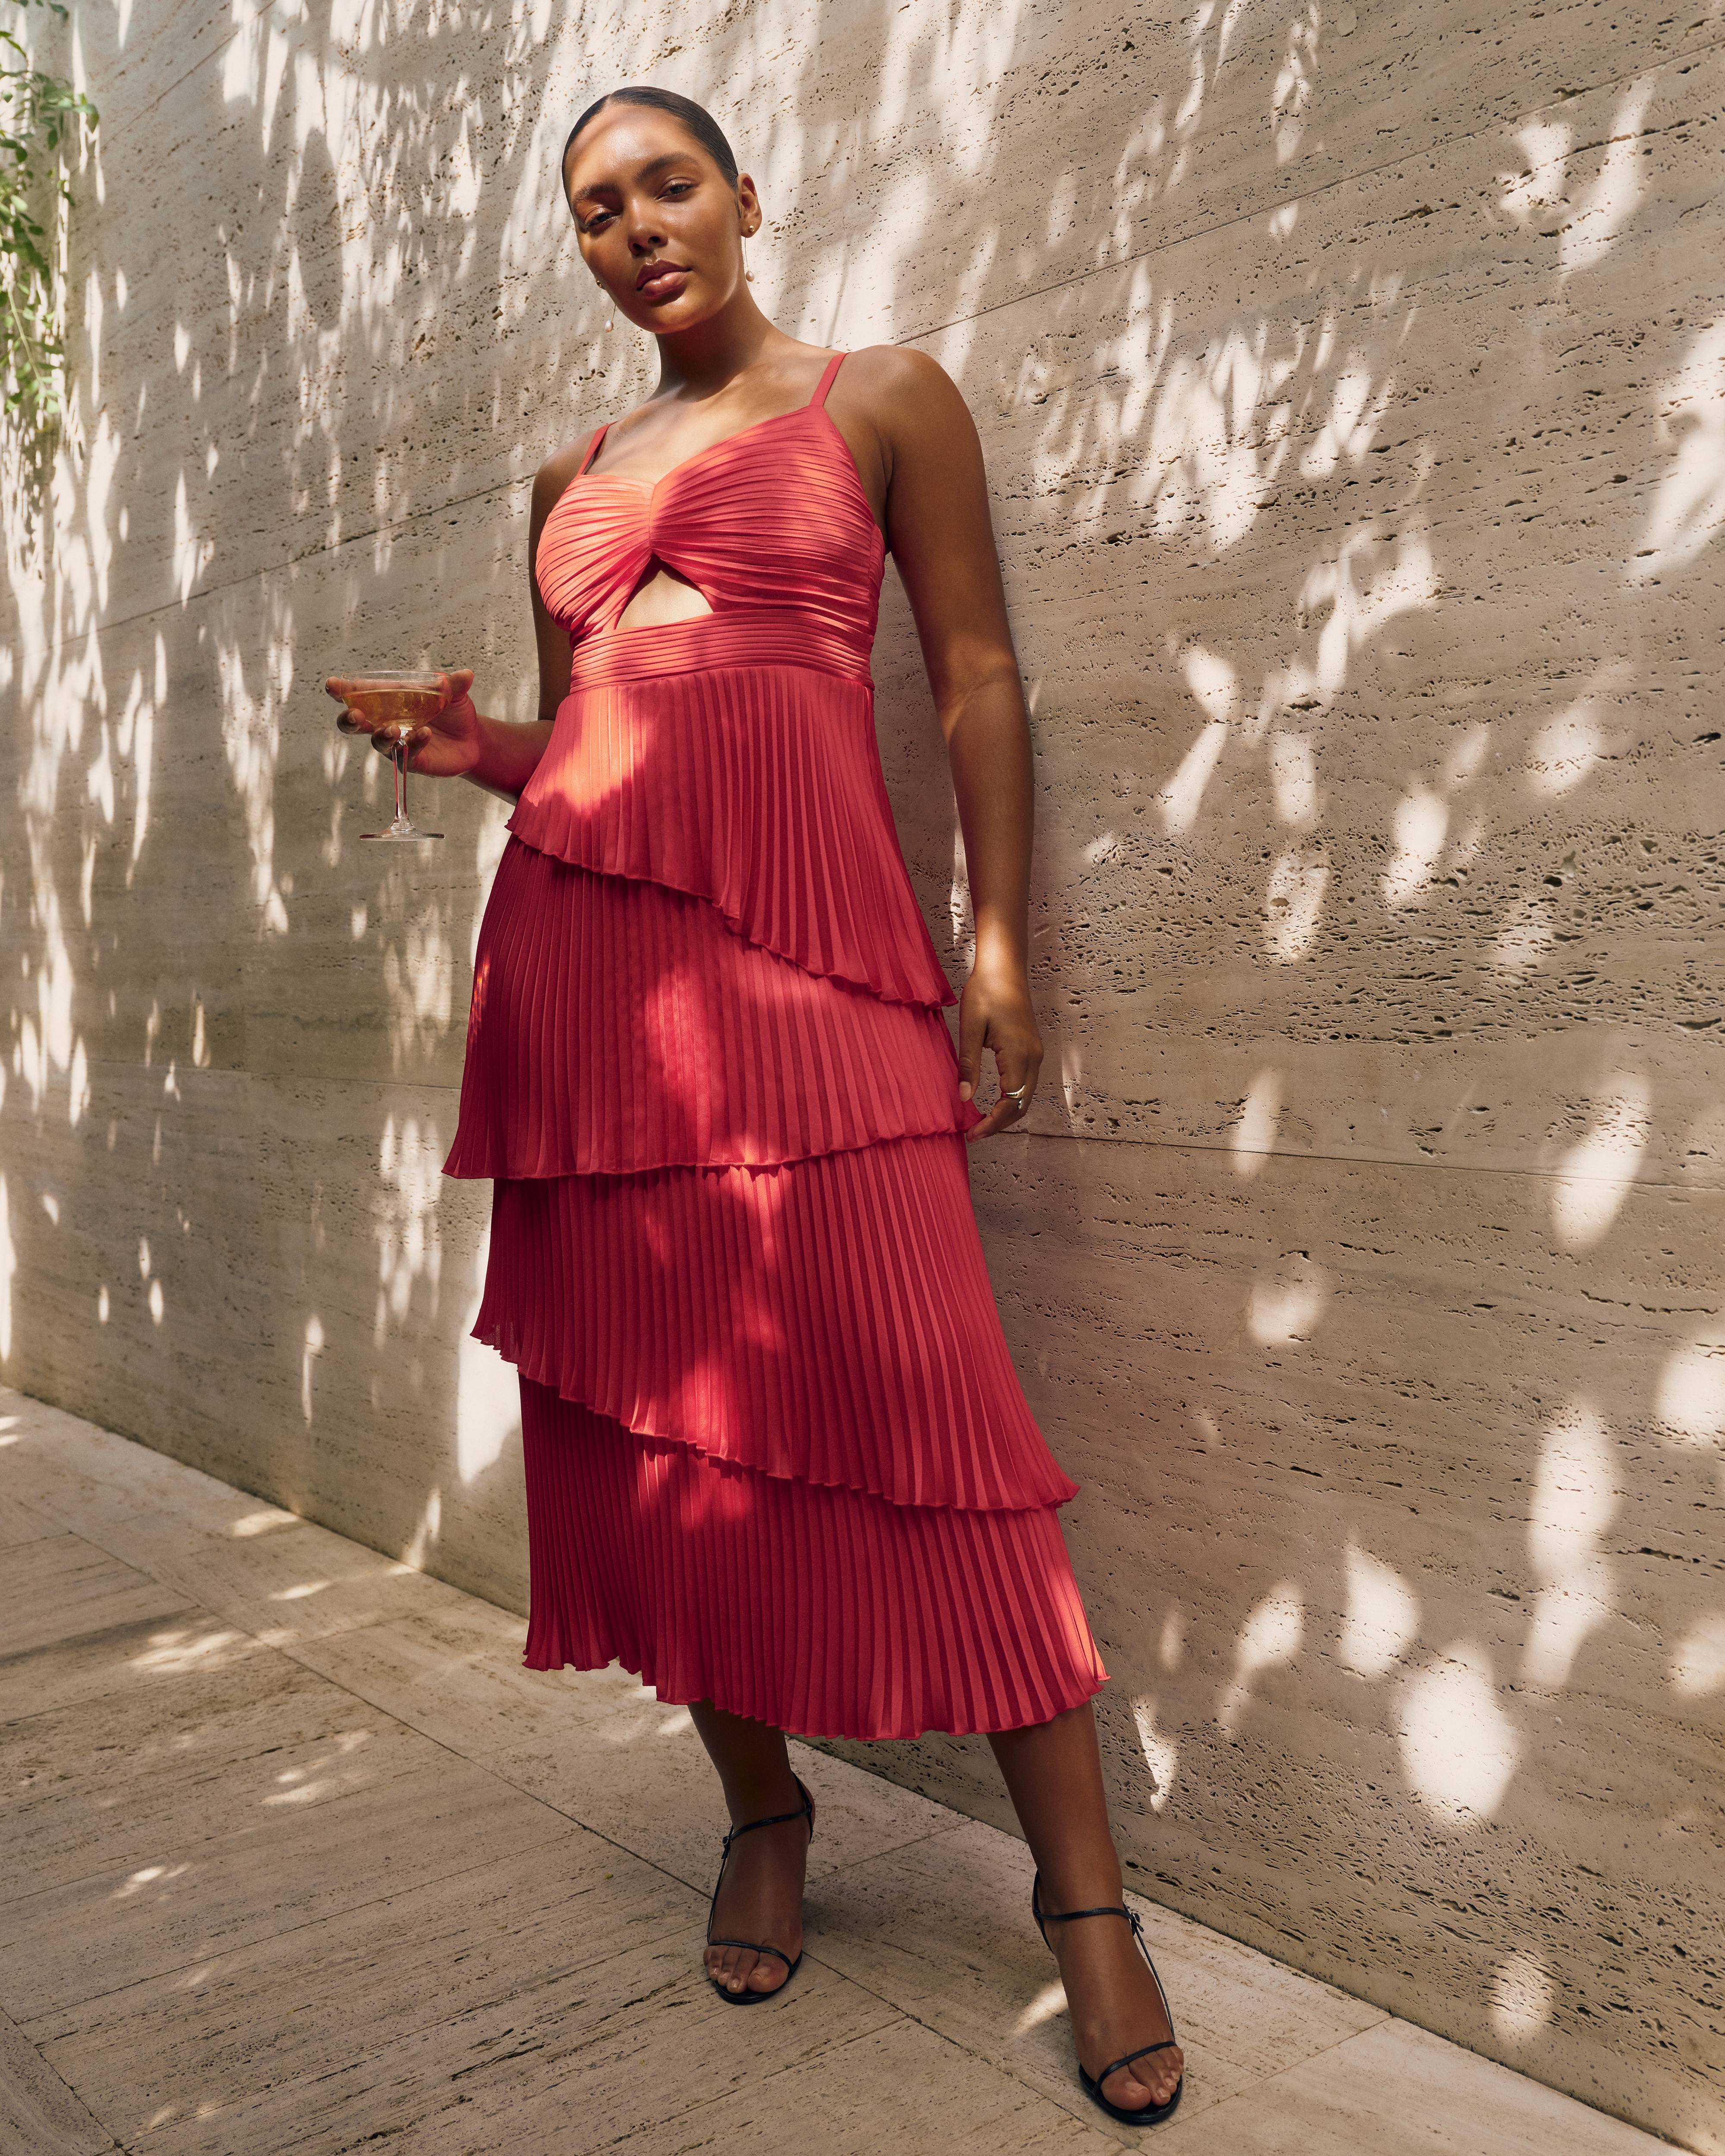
<point x="496" y="754"/>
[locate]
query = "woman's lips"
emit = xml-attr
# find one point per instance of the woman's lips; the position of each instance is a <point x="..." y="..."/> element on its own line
<point x="660" y="278"/>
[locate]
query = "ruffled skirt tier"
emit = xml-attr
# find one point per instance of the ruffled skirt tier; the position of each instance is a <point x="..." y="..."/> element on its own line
<point x="818" y="1610"/>
<point x="776" y="1453"/>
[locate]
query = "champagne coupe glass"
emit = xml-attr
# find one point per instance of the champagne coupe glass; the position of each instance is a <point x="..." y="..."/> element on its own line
<point x="402" y="700"/>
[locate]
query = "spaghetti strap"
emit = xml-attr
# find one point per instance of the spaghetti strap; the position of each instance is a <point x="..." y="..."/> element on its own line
<point x="593" y="447"/>
<point x="818" y="402"/>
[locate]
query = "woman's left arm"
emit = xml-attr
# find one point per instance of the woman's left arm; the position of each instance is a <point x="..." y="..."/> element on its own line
<point x="942" y="539"/>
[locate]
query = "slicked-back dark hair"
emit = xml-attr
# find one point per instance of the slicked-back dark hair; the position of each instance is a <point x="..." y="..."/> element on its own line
<point x="693" y="118"/>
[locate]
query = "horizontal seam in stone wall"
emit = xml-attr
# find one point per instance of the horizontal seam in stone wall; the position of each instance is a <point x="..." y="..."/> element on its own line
<point x="289" y="561"/>
<point x="144" y="111"/>
<point x="1375" y="1160"/>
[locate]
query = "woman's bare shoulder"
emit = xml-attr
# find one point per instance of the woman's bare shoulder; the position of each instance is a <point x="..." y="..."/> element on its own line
<point x="900" y="389"/>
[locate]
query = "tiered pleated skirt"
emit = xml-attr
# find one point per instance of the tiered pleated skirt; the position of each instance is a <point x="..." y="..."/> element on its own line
<point x="776" y="1454"/>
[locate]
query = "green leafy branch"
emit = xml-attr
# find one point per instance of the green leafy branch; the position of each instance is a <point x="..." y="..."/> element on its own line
<point x="38" y="112"/>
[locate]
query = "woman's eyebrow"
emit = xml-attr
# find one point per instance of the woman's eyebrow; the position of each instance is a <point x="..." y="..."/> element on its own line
<point x="647" y="172"/>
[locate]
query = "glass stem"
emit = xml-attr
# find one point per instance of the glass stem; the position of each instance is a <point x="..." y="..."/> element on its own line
<point x="401" y="782"/>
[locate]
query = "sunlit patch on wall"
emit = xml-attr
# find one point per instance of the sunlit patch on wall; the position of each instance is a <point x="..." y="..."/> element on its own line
<point x="1545" y="146"/>
<point x="1072" y="1078"/>
<point x="1698" y="1659"/>
<point x="1254" y="1133"/>
<point x="1575" y="1496"/>
<point x="1294" y="84"/>
<point x="1595" y="1175"/>
<point x="8" y="1268"/>
<point x="1171" y="1647"/>
<point x="1180" y="799"/>
<point x="1161" y="1756"/>
<point x="418" y="982"/>
<point x="958" y="895"/>
<point x="1692" y="1390"/>
<point x="1293" y="778"/>
<point x="251" y="735"/>
<point x="1586" y="234"/>
<point x="426" y="1532"/>
<point x="1459" y="1747"/>
<point x="1212" y="682"/>
<point x="409" y="1249"/>
<point x="312" y="1348"/>
<point x="1356" y="406"/>
<point x="1564" y="750"/>
<point x="1382" y="1620"/>
<point x="1419" y="827"/>
<point x="1294" y="901"/>
<point x="1688" y="510"/>
<point x="1357" y="600"/>
<point x="1519" y="2001"/>
<point x="488" y="1405"/>
<point x="1525" y="937"/>
<point x="1269" y="1638"/>
<point x="1287" y="1307"/>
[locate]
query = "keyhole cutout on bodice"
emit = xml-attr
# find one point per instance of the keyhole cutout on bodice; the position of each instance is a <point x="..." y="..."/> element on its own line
<point x="662" y="595"/>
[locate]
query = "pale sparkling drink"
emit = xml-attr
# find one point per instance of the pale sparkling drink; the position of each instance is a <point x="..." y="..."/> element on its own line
<point x="400" y="702"/>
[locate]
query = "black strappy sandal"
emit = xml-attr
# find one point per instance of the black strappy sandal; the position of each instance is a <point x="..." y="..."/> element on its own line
<point x="745" y="1997"/>
<point x="1152" y="2114"/>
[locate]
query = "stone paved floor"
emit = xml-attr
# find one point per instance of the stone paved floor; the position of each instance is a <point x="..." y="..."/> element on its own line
<point x="295" y="1856"/>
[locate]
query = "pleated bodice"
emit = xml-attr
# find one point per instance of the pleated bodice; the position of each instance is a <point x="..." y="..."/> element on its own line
<point x="772" y="519"/>
<point x="732" y="757"/>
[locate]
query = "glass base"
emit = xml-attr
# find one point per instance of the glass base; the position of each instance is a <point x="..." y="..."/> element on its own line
<point x="400" y="838"/>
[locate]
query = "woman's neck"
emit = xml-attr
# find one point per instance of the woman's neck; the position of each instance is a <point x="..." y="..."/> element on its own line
<point x="706" y="358"/>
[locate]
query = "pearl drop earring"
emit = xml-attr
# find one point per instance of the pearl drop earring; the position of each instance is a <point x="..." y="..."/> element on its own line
<point x="748" y="275"/>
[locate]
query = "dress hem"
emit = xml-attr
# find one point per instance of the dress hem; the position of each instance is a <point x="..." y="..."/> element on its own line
<point x="908" y="1733"/>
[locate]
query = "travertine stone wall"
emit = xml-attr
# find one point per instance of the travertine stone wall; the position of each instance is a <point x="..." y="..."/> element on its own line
<point x="1352" y="379"/>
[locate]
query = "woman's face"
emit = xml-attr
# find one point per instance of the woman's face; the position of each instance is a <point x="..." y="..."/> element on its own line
<point x="659" y="224"/>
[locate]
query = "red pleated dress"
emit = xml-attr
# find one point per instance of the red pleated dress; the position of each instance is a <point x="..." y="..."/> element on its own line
<point x="776" y="1454"/>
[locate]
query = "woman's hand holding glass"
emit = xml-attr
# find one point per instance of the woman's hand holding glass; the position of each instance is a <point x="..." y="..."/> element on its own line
<point x="441" y="744"/>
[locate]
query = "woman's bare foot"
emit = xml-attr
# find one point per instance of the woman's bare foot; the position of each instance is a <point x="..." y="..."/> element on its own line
<point x="1116" y="2007"/>
<point x="760" y="1898"/>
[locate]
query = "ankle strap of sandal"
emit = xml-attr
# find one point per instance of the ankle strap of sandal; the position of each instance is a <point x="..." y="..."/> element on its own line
<point x="1047" y="1917"/>
<point x="804" y="1811"/>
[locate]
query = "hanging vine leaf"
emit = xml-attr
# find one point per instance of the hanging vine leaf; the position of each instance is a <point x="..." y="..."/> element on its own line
<point x="38" y="113"/>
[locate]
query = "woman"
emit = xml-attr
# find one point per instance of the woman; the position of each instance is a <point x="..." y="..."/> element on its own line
<point x="777" y="1460"/>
